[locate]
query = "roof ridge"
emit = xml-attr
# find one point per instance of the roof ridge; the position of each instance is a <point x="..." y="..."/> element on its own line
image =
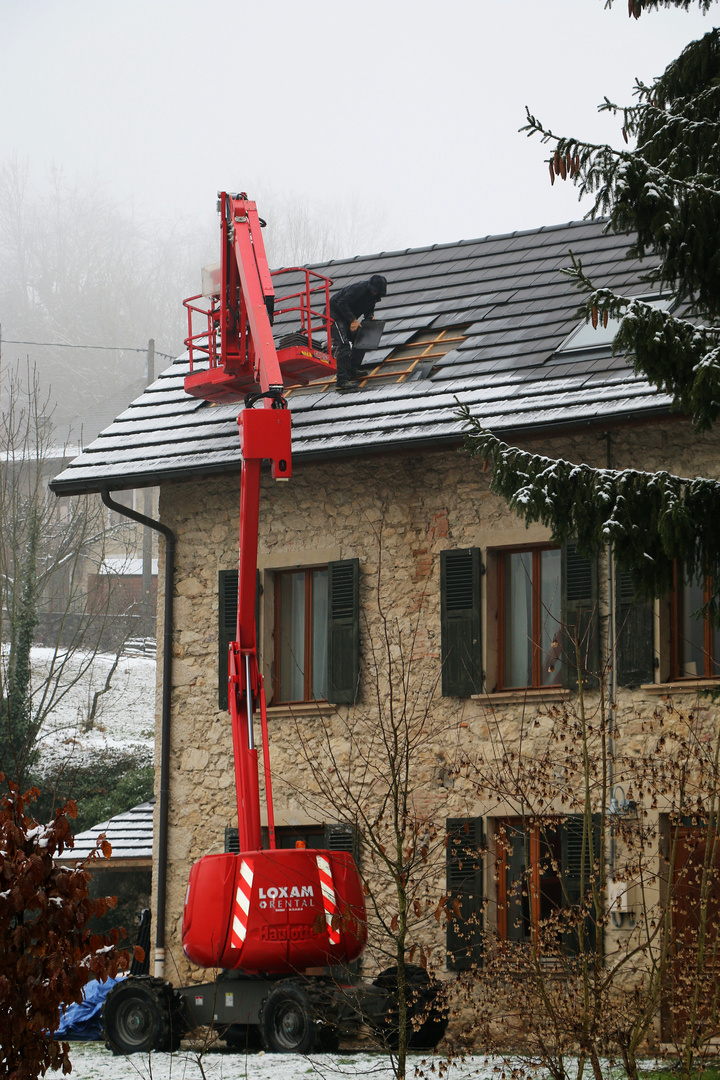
<point x="458" y="243"/>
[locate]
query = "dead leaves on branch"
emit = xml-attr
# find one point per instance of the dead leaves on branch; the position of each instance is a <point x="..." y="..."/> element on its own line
<point x="48" y="954"/>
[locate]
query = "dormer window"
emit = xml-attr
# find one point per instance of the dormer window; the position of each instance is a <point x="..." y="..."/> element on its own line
<point x="585" y="336"/>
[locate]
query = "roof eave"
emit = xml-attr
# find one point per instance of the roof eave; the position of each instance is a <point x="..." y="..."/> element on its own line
<point x="157" y="477"/>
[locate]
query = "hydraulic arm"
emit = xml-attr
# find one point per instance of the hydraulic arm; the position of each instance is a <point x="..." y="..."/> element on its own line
<point x="273" y="910"/>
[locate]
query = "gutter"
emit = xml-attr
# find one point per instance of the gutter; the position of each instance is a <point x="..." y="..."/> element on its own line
<point x="160" y="476"/>
<point x="163" y="801"/>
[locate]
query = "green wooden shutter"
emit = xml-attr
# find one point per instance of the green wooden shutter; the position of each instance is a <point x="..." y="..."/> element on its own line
<point x="343" y="838"/>
<point x="465" y="893"/>
<point x="579" y="617"/>
<point x="460" y="622"/>
<point x="232" y="840"/>
<point x="343" y="631"/>
<point x="227" y="624"/>
<point x="578" y="858"/>
<point x="635" y="647"/>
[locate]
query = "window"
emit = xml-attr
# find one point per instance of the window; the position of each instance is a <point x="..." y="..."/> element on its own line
<point x="529" y="606"/>
<point x="301" y="635"/>
<point x="316" y="630"/>
<point x="543" y="868"/>
<point x="587" y="336"/>
<point x="695" y="642"/>
<point x="542" y="599"/>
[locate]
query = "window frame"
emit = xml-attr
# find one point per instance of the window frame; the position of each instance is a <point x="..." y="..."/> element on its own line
<point x="536" y="615"/>
<point x="533" y="879"/>
<point x="307" y="635"/>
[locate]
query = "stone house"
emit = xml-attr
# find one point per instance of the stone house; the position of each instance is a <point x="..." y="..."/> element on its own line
<point x="388" y="542"/>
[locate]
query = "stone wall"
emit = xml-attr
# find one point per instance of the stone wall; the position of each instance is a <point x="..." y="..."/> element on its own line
<point x="395" y="514"/>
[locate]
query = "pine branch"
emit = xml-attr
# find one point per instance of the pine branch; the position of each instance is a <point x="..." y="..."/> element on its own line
<point x="651" y="520"/>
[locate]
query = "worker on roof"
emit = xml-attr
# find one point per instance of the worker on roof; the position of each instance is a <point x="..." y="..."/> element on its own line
<point x="346" y="307"/>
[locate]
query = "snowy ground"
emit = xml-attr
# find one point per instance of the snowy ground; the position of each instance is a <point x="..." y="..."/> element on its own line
<point x="90" y="1061"/>
<point x="125" y="714"/>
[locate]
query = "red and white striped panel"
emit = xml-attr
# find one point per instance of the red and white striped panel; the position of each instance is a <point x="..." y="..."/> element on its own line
<point x="242" y="906"/>
<point x="328" y="894"/>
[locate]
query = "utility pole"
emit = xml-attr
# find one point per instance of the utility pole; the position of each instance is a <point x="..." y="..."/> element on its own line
<point x="147" y="549"/>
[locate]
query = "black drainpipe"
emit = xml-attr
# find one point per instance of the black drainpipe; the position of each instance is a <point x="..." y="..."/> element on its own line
<point x="161" y="887"/>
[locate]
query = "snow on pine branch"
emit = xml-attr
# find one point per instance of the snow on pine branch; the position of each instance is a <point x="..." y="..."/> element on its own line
<point x="651" y="520"/>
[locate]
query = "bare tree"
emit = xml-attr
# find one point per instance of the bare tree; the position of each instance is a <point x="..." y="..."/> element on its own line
<point x="603" y="918"/>
<point x="378" y="766"/>
<point x="78" y="270"/>
<point x="46" y="548"/>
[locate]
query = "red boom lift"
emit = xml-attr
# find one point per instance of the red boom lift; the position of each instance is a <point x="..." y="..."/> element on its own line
<point x="266" y="913"/>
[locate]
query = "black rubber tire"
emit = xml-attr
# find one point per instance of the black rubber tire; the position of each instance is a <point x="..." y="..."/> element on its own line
<point x="242" y="1037"/>
<point x="422" y="992"/>
<point x="139" y="1016"/>
<point x="287" y="1021"/>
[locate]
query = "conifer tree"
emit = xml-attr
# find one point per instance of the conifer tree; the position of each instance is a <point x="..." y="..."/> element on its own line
<point x="663" y="188"/>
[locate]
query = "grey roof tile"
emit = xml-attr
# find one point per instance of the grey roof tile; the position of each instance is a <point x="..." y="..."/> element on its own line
<point x="519" y="306"/>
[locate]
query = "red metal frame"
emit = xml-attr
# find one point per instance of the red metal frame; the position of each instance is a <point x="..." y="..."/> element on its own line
<point x="239" y="318"/>
<point x="233" y="911"/>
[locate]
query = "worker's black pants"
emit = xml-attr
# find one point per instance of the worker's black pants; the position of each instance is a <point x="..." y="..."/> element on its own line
<point x="348" y="359"/>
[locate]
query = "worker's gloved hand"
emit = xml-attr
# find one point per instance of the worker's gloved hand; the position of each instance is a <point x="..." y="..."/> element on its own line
<point x="354" y="325"/>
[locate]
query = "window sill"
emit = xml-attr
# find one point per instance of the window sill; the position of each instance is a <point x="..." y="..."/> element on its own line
<point x="301" y="708"/>
<point x="511" y="697"/>
<point x="681" y="686"/>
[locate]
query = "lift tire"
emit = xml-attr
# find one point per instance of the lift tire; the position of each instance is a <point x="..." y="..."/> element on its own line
<point x="140" y="1015"/>
<point x="423" y="1000"/>
<point x="288" y="1024"/>
<point x="241" y="1038"/>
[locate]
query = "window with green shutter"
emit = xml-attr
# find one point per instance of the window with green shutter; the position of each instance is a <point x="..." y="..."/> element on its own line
<point x="316" y="627"/>
<point x="465" y="902"/>
<point x="460" y="617"/>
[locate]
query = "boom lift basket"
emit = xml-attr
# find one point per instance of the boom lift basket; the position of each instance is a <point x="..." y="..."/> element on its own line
<point x="304" y="355"/>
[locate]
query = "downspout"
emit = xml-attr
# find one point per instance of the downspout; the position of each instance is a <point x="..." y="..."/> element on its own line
<point x="612" y="627"/>
<point x="161" y="887"/>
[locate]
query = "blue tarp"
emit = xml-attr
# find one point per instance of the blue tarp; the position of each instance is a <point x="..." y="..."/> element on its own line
<point x="84" y="1021"/>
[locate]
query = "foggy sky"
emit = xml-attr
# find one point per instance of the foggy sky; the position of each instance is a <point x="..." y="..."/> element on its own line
<point x="410" y="108"/>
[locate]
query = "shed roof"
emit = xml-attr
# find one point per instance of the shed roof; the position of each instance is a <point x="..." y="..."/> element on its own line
<point x="516" y="307"/>
<point x="130" y="835"/>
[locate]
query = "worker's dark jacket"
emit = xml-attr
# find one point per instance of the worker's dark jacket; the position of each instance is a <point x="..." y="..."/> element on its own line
<point x="353" y="301"/>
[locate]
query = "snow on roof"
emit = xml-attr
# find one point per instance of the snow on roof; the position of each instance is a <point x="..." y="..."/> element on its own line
<point x="125" y="566"/>
<point x="516" y="307"/>
<point x="130" y="835"/>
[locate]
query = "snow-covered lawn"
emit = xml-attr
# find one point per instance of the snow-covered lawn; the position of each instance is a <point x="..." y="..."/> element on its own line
<point x="125" y="714"/>
<point x="90" y="1061"/>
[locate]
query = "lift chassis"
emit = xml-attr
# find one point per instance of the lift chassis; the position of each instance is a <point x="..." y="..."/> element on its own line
<point x="268" y="952"/>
